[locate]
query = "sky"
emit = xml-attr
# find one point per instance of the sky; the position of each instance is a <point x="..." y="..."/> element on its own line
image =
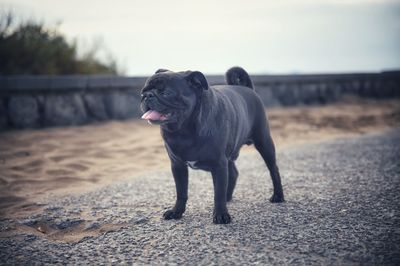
<point x="264" y="37"/>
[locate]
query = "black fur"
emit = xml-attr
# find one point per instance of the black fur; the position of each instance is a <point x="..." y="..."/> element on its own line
<point x="206" y="128"/>
<point x="238" y="76"/>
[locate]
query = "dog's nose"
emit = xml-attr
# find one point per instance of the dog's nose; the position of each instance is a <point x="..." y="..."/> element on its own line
<point x="147" y="95"/>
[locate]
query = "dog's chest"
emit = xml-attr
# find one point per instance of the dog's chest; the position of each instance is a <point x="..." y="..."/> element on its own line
<point x="189" y="149"/>
<point x="197" y="153"/>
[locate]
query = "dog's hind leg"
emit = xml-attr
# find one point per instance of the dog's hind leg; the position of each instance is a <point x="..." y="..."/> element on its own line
<point x="265" y="146"/>
<point x="232" y="177"/>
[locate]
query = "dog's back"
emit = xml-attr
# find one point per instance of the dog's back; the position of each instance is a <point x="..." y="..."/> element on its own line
<point x="241" y="107"/>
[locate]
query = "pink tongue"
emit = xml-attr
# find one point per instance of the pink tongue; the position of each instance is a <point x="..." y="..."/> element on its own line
<point x="152" y="115"/>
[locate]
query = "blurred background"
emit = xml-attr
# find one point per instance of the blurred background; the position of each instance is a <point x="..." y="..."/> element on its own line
<point x="71" y="74"/>
<point x="286" y="37"/>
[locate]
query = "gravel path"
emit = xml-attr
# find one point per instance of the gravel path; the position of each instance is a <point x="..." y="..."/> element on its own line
<point x="342" y="207"/>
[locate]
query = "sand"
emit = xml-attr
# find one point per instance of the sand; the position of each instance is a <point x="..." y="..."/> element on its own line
<point x="59" y="161"/>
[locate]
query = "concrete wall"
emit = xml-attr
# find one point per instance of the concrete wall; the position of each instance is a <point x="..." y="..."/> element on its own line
<point x="45" y="101"/>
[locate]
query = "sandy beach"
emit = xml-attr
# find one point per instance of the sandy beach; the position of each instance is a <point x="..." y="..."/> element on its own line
<point x="59" y="161"/>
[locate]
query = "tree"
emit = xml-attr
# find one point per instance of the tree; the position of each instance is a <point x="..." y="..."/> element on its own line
<point x="32" y="48"/>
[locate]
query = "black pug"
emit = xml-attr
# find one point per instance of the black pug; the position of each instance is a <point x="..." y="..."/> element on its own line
<point x="204" y="127"/>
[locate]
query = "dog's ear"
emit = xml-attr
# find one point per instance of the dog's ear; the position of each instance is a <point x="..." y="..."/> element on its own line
<point x="161" y="70"/>
<point x="196" y="79"/>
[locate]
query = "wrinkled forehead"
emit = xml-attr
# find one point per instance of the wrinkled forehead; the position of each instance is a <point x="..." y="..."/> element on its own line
<point x="163" y="80"/>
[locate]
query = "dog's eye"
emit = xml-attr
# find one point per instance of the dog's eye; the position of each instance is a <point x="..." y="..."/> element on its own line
<point x="165" y="92"/>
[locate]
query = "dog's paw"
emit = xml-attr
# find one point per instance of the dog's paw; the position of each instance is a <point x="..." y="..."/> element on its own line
<point x="277" y="198"/>
<point x="221" y="218"/>
<point x="172" y="214"/>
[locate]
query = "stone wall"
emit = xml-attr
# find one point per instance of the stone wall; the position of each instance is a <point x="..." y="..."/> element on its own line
<point x="46" y="101"/>
<point x="35" y="102"/>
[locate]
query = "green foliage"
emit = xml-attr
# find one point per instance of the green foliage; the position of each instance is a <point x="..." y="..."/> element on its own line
<point x="31" y="48"/>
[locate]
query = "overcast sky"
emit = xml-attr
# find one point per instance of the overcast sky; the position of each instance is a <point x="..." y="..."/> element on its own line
<point x="285" y="36"/>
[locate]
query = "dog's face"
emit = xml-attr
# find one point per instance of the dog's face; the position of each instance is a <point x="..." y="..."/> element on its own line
<point x="169" y="98"/>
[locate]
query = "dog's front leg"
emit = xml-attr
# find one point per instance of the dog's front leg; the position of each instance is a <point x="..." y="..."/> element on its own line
<point x="180" y="173"/>
<point x="220" y="179"/>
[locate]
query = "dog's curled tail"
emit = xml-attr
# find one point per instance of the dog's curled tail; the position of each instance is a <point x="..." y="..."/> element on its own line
<point x="238" y="76"/>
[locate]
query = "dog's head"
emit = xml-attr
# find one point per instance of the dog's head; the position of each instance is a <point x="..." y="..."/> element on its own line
<point x="169" y="98"/>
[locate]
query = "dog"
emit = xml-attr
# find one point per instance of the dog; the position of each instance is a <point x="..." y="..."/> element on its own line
<point x="204" y="127"/>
